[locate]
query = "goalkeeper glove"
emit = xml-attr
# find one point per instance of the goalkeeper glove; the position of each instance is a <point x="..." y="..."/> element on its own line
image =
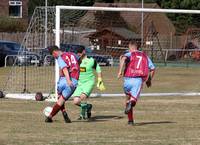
<point x="100" y="84"/>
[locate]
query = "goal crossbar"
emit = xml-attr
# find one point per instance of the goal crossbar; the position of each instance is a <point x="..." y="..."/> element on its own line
<point x="151" y="10"/>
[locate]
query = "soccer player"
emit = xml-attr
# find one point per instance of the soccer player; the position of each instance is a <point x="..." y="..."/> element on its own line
<point x="86" y="83"/>
<point x="68" y="79"/>
<point x="138" y="69"/>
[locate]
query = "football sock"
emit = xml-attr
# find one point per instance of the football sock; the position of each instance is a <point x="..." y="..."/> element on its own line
<point x="89" y="109"/>
<point x="83" y="109"/>
<point x="130" y="115"/>
<point x="88" y="106"/>
<point x="133" y="101"/>
<point x="62" y="108"/>
<point x="55" y="110"/>
<point x="78" y="105"/>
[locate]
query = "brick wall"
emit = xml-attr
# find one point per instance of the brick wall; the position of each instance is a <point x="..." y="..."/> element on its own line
<point x="25" y="9"/>
<point x="4" y="8"/>
<point x="17" y="37"/>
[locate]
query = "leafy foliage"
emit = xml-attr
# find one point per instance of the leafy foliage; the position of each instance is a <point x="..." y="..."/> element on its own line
<point x="34" y="3"/>
<point x="12" y="25"/>
<point x="181" y="21"/>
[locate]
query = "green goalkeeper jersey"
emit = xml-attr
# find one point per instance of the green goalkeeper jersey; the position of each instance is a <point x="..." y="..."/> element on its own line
<point x="86" y="69"/>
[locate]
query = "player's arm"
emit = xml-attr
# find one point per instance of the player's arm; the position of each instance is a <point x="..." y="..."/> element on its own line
<point x="65" y="71"/>
<point x="152" y="68"/>
<point x="97" y="68"/>
<point x="100" y="84"/>
<point x="122" y="60"/>
<point x="151" y="72"/>
<point x="67" y="76"/>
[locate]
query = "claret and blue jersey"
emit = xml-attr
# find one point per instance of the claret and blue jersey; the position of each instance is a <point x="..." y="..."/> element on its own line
<point x="134" y="76"/>
<point x="69" y="61"/>
<point x="150" y="63"/>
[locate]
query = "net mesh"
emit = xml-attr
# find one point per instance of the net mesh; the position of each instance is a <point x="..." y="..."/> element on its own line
<point x="105" y="34"/>
<point x="32" y="69"/>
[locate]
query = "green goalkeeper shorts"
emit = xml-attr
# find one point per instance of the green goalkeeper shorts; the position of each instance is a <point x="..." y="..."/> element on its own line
<point x="84" y="87"/>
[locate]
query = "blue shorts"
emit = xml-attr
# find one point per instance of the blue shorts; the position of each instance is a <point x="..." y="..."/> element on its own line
<point x="64" y="89"/>
<point x="133" y="86"/>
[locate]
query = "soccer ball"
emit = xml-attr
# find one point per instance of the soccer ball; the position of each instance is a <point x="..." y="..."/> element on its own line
<point x="39" y="96"/>
<point x="47" y="110"/>
<point x="2" y="94"/>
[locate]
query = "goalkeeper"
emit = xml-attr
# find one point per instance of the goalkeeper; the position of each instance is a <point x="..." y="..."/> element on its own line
<point x="86" y="83"/>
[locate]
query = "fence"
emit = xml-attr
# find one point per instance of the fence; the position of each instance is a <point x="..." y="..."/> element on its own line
<point x="16" y="36"/>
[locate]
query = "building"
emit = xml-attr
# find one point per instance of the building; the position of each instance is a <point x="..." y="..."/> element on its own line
<point x="112" y="40"/>
<point x="115" y="27"/>
<point x="14" y="8"/>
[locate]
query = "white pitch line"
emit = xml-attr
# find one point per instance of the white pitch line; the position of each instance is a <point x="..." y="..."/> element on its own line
<point x="149" y="94"/>
<point x="134" y="141"/>
<point x="32" y="96"/>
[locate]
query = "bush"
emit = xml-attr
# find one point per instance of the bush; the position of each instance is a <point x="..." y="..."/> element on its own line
<point x="12" y="24"/>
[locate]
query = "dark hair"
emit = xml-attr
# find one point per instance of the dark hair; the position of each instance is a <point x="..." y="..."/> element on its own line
<point x="52" y="48"/>
<point x="80" y="49"/>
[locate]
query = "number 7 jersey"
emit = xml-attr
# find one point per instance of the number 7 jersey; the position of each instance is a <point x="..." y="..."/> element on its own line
<point x="137" y="65"/>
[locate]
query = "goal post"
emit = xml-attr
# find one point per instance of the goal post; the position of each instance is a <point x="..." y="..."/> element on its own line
<point x="57" y="43"/>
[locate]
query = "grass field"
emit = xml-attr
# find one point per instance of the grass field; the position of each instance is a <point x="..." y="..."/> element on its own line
<point x="159" y="121"/>
<point x="167" y="79"/>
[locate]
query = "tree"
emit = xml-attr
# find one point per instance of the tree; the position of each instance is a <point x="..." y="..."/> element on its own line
<point x="182" y="21"/>
<point x="35" y="3"/>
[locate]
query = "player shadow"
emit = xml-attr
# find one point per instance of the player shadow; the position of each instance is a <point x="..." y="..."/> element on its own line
<point x="101" y="118"/>
<point x="153" y="123"/>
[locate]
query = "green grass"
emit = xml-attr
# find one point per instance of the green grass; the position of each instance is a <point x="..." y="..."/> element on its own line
<point x="159" y="121"/>
<point x="167" y="79"/>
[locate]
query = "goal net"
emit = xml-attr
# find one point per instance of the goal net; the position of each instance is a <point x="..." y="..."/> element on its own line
<point x="105" y="31"/>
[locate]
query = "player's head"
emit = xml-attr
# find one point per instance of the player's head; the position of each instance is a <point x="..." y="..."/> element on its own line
<point x="80" y="51"/>
<point x="133" y="45"/>
<point x="54" y="50"/>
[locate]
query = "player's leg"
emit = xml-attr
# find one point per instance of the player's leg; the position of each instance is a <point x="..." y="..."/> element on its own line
<point x="55" y="109"/>
<point x="130" y="102"/>
<point x="64" y="113"/>
<point x="67" y="93"/>
<point x="83" y="91"/>
<point x="56" y="106"/>
<point x="129" y="110"/>
<point x="62" y="108"/>
<point x="132" y="87"/>
<point x="81" y="102"/>
<point x="87" y="91"/>
<point x="77" y="99"/>
<point x="85" y="108"/>
<point x="89" y="110"/>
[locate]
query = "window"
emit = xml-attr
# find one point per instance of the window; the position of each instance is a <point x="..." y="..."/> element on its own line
<point x="15" y="8"/>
